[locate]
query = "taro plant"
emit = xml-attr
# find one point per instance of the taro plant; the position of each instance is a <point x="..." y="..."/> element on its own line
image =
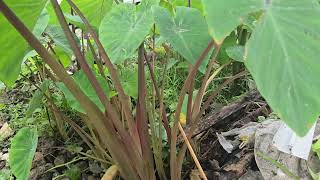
<point x="276" y="41"/>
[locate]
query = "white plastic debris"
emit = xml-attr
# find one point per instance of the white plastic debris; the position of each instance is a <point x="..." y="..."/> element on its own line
<point x="226" y="145"/>
<point x="131" y="1"/>
<point x="289" y="142"/>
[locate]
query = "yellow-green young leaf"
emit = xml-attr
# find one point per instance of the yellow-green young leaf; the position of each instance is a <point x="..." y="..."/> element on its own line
<point x="187" y="32"/>
<point x="23" y="147"/>
<point x="13" y="46"/>
<point x="282" y="53"/>
<point x="316" y="148"/>
<point x="63" y="56"/>
<point x="197" y="4"/>
<point x="124" y="29"/>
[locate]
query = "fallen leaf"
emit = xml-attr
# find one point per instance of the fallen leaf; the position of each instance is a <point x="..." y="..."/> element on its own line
<point x="111" y="172"/>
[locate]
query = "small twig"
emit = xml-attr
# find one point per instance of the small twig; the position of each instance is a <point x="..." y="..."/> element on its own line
<point x="65" y="164"/>
<point x="194" y="157"/>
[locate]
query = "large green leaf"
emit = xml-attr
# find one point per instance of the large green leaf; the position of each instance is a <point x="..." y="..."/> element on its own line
<point x="85" y="85"/>
<point x="56" y="33"/>
<point x="41" y="24"/>
<point x="14" y="46"/>
<point x="222" y="17"/>
<point x="94" y="10"/>
<point x="187" y="32"/>
<point x="23" y="147"/>
<point x="124" y="29"/>
<point x="282" y="53"/>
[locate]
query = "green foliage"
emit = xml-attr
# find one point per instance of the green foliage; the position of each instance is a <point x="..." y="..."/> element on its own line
<point x="23" y="147"/>
<point x="94" y="10"/>
<point x="287" y="61"/>
<point x="223" y="56"/>
<point x="63" y="56"/>
<point x="36" y="101"/>
<point x="236" y="52"/>
<point x="124" y="29"/>
<point x="186" y="32"/>
<point x="291" y="65"/>
<point x="197" y="4"/>
<point x="2" y="86"/>
<point x="56" y="33"/>
<point x="281" y="54"/>
<point x="41" y="24"/>
<point x="85" y="85"/>
<point x="315" y="176"/>
<point x="223" y="17"/>
<point x="129" y="81"/>
<point x="5" y="174"/>
<point x="74" y="173"/>
<point x="14" y="46"/>
<point x="316" y="148"/>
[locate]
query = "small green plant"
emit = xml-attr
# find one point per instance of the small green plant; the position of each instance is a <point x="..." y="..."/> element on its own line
<point x="121" y="123"/>
<point x="23" y="147"/>
<point x="315" y="149"/>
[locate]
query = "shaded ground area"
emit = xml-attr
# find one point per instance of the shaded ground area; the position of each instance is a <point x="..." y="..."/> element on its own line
<point x="55" y="158"/>
<point x="217" y="163"/>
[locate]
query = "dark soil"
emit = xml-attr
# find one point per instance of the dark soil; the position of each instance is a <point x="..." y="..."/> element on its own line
<point x="217" y="163"/>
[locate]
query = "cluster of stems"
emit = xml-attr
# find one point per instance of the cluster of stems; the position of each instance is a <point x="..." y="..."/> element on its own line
<point x="120" y="137"/>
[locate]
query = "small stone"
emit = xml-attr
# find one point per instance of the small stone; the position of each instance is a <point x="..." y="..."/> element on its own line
<point x="5" y="131"/>
<point x="2" y="164"/>
<point x="82" y="165"/>
<point x="38" y="160"/>
<point x="4" y="157"/>
<point x="214" y="165"/>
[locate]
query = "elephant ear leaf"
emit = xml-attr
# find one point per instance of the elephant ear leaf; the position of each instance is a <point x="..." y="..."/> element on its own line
<point x="286" y="65"/>
<point x="21" y="153"/>
<point x="187" y="32"/>
<point x="124" y="29"/>
<point x="14" y="47"/>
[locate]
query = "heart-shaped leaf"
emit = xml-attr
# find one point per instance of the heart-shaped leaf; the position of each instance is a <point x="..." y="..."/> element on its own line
<point x="14" y="47"/>
<point x="282" y="53"/>
<point x="222" y="17"/>
<point x="187" y="32"/>
<point x="124" y="29"/>
<point x="23" y="147"/>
